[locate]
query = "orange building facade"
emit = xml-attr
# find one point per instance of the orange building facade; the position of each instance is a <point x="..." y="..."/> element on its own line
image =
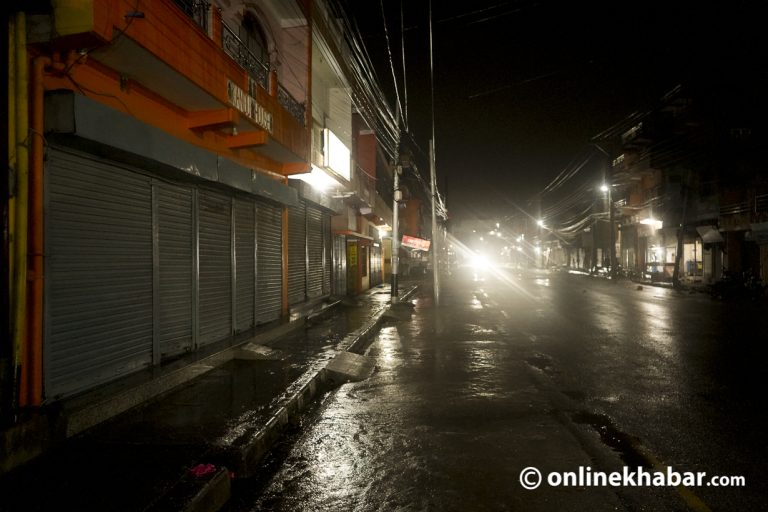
<point x="156" y="202"/>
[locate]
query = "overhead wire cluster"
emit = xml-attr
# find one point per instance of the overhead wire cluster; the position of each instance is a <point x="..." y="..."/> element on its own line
<point x="570" y="212"/>
<point x="366" y="93"/>
<point x="392" y="127"/>
<point x="569" y="203"/>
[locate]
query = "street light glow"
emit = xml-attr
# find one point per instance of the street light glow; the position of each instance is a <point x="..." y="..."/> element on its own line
<point x="604" y="188"/>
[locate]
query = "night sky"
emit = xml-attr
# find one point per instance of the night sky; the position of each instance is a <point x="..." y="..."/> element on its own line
<point x="520" y="87"/>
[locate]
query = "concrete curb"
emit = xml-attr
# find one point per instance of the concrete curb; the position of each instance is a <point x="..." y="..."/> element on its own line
<point x="244" y="459"/>
<point x="197" y="494"/>
<point x="363" y="335"/>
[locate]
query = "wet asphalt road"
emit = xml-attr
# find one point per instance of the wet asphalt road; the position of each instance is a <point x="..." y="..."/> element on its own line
<point x="529" y="370"/>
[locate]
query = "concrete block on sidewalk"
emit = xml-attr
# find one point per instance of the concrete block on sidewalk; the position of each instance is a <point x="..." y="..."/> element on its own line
<point x="254" y="351"/>
<point x="399" y="312"/>
<point x="350" y="367"/>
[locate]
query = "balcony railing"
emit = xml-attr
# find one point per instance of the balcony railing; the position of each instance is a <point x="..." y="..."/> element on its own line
<point x="238" y="50"/>
<point x="761" y="203"/>
<point x="198" y="10"/>
<point x="290" y="104"/>
<point x="259" y="71"/>
<point x="734" y="208"/>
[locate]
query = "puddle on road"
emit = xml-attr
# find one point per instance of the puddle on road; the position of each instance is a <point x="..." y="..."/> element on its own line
<point x="542" y="362"/>
<point x="621" y="442"/>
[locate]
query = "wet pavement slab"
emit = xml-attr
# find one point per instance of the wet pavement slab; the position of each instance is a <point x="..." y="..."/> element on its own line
<point x="448" y="420"/>
<point x="200" y="435"/>
<point x="512" y="371"/>
<point x="518" y="370"/>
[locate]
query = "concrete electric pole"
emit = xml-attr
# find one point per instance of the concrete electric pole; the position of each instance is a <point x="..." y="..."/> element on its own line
<point x="394" y="293"/>
<point x="435" y="278"/>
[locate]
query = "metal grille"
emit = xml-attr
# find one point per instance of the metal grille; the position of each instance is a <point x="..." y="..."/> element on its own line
<point x="198" y="10"/>
<point x="291" y="104"/>
<point x="297" y="255"/>
<point x="215" y="267"/>
<point x="175" y="239"/>
<point x="238" y="50"/>
<point x="269" y="267"/>
<point x="734" y="208"/>
<point x="245" y="264"/>
<point x="761" y="202"/>
<point x="98" y="272"/>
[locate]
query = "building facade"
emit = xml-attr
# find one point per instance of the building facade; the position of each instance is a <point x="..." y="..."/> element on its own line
<point x="181" y="175"/>
<point x="693" y="207"/>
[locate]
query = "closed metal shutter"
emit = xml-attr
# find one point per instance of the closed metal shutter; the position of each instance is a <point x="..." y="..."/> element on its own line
<point x="245" y="264"/>
<point x="269" y="257"/>
<point x="297" y="255"/>
<point x="340" y="265"/>
<point x="175" y="240"/>
<point x="215" y="219"/>
<point x="375" y="265"/>
<point x="327" y="255"/>
<point x="315" y="249"/>
<point x="98" y="310"/>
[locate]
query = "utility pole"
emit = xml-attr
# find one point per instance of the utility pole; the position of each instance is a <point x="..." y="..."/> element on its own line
<point x="611" y="220"/>
<point x="394" y="293"/>
<point x="613" y="230"/>
<point x="608" y="189"/>
<point x="435" y="278"/>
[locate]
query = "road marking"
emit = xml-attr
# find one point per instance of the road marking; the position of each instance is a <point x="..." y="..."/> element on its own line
<point x="694" y="502"/>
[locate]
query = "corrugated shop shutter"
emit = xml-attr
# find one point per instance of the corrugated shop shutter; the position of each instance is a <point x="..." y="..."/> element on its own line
<point x="215" y="219"/>
<point x="297" y="255"/>
<point x="315" y="248"/>
<point x="327" y="256"/>
<point x="98" y="310"/>
<point x="340" y="265"/>
<point x="375" y="259"/>
<point x="175" y="214"/>
<point x="245" y="263"/>
<point x="269" y="269"/>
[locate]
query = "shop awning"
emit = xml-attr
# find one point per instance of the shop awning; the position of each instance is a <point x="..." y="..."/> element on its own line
<point x="709" y="234"/>
<point x="349" y="232"/>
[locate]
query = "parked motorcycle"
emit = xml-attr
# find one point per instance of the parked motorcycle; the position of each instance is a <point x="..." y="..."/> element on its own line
<point x="738" y="286"/>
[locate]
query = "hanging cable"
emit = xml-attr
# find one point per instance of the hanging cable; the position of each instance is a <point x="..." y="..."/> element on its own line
<point x="405" y="81"/>
<point x="431" y="74"/>
<point x="391" y="62"/>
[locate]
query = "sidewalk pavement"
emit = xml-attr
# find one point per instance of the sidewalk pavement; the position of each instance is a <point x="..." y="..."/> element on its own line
<point x="185" y="433"/>
<point x="687" y="284"/>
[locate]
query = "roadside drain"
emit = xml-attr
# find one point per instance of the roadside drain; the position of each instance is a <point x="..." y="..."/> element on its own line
<point x="624" y="444"/>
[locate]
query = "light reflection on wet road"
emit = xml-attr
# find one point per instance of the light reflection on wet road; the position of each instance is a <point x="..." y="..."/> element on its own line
<point x="467" y="395"/>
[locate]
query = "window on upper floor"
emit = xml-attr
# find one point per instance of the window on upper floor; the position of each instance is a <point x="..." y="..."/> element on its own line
<point x="252" y="35"/>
